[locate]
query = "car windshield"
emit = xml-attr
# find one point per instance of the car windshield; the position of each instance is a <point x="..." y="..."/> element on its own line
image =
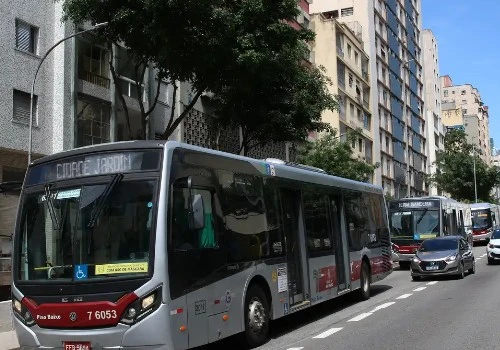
<point x="434" y="245"/>
<point x="495" y="234"/>
<point x="90" y="231"/>
<point x="481" y="219"/>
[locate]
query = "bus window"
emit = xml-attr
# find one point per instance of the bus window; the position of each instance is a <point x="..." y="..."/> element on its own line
<point x="355" y="220"/>
<point x="316" y="219"/>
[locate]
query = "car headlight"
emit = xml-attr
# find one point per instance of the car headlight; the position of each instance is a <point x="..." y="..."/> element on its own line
<point x="416" y="259"/>
<point x="451" y="258"/>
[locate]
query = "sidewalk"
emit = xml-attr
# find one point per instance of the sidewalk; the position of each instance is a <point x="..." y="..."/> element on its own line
<point x="8" y="338"/>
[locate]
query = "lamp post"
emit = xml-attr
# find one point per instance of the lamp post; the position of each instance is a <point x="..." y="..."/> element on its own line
<point x="474" y="163"/>
<point x="30" y="137"/>
<point x="406" y="124"/>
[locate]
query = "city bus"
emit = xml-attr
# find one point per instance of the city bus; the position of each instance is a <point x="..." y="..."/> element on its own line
<point x="165" y="245"/>
<point x="412" y="220"/>
<point x="485" y="218"/>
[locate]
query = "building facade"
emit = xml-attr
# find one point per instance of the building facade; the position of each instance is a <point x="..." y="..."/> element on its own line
<point x="391" y="38"/>
<point x="339" y="48"/>
<point x="475" y="119"/>
<point x="432" y="103"/>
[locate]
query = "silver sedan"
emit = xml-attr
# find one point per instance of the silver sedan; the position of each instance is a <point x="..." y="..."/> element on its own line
<point x="449" y="255"/>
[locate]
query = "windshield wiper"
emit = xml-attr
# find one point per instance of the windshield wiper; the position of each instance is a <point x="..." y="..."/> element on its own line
<point x="422" y="215"/>
<point x="100" y="204"/>
<point x="50" y="206"/>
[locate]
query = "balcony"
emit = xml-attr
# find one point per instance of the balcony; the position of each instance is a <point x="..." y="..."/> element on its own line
<point x="95" y="79"/>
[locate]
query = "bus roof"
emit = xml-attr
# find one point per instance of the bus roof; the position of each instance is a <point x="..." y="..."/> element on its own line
<point x="478" y="206"/>
<point x="286" y="169"/>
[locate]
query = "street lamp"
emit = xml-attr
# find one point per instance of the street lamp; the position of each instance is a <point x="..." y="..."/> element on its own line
<point x="30" y="138"/>
<point x="474" y="162"/>
<point x="406" y="124"/>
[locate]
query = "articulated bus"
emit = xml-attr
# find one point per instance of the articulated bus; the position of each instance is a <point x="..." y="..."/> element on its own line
<point x="485" y="218"/>
<point x="164" y="245"/>
<point x="412" y="220"/>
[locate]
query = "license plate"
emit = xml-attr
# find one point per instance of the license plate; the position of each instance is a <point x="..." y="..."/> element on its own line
<point x="429" y="268"/>
<point x="85" y="345"/>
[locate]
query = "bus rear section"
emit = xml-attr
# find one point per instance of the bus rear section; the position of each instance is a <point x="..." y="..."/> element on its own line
<point x="411" y="221"/>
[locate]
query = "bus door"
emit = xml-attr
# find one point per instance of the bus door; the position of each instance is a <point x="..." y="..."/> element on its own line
<point x="338" y="239"/>
<point x="290" y="204"/>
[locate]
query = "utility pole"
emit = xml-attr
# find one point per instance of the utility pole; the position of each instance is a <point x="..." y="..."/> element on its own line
<point x="474" y="162"/>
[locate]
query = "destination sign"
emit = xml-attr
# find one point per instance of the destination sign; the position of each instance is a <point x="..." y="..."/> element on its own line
<point x="414" y="204"/>
<point x="94" y="165"/>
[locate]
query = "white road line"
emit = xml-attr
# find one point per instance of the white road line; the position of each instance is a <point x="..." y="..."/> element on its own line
<point x="360" y="317"/>
<point x="419" y="289"/>
<point x="478" y="258"/>
<point x="295" y="348"/>
<point x="327" y="333"/>
<point x="383" y="306"/>
<point x="483" y="255"/>
<point x="404" y="296"/>
<point x="431" y="283"/>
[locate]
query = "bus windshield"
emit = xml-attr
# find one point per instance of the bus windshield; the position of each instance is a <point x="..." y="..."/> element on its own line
<point x="414" y="224"/>
<point x="86" y="232"/>
<point x="481" y="219"/>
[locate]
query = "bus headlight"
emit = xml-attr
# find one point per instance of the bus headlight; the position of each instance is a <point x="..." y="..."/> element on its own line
<point x="142" y="307"/>
<point x="22" y="313"/>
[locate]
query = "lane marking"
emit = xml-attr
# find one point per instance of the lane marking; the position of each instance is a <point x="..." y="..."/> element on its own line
<point x="483" y="255"/>
<point x="432" y="283"/>
<point x="360" y="317"/>
<point x="404" y="296"/>
<point x="383" y="306"/>
<point x="295" y="348"/>
<point x="327" y="333"/>
<point x="419" y="289"/>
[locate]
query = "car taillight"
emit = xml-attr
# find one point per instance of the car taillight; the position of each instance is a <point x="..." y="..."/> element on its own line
<point x="22" y="313"/>
<point x="142" y="307"/>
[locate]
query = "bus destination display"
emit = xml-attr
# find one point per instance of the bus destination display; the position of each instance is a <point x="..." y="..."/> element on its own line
<point x="94" y="165"/>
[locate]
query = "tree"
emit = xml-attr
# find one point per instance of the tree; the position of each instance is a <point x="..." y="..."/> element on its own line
<point x="335" y="157"/>
<point x="455" y="173"/>
<point x="244" y="52"/>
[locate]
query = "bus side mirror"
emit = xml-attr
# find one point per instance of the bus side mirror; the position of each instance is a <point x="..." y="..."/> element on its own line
<point x="197" y="215"/>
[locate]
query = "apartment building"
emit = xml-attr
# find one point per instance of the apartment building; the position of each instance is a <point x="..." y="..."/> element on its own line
<point x="432" y="102"/>
<point x="475" y="114"/>
<point x="391" y="31"/>
<point x="339" y="48"/>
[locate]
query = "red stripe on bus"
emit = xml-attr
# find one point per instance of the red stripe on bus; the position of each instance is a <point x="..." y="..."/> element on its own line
<point x="79" y="315"/>
<point x="378" y="264"/>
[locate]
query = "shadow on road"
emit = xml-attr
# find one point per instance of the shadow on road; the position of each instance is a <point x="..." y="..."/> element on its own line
<point x="289" y="324"/>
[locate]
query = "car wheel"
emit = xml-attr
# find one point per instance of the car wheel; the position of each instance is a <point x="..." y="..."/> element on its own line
<point x="416" y="278"/>
<point x="256" y="317"/>
<point x="490" y="261"/>
<point x="472" y="270"/>
<point x="461" y="273"/>
<point x="365" y="288"/>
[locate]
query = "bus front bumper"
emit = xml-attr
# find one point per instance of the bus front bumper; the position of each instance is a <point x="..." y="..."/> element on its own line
<point x="139" y="336"/>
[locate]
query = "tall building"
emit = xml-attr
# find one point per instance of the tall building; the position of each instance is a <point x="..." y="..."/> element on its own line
<point x="432" y="102"/>
<point x="391" y="37"/>
<point x="475" y="119"/>
<point x="339" y="48"/>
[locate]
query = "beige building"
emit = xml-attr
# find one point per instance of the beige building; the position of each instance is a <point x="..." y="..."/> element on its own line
<point x="338" y="47"/>
<point x="432" y="102"/>
<point x="475" y="119"/>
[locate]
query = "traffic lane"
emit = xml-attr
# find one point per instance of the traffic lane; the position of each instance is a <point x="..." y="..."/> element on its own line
<point x="298" y="326"/>
<point x="442" y="313"/>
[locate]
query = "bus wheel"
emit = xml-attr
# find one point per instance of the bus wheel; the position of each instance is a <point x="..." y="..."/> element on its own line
<point x="256" y="316"/>
<point x="364" y="291"/>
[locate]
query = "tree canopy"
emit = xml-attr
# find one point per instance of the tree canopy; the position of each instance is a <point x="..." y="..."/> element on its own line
<point x="245" y="53"/>
<point x="335" y="156"/>
<point x="455" y="173"/>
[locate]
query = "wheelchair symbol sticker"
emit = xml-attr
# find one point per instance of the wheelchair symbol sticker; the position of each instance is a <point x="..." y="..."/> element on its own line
<point x="81" y="272"/>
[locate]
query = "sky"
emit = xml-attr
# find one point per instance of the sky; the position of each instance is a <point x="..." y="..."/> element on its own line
<point x="468" y="36"/>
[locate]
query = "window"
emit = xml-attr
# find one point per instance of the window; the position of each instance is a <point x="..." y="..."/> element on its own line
<point x="305" y="23"/>
<point x="351" y="80"/>
<point x="348" y="11"/>
<point x="21" y="107"/>
<point x="360" y="145"/>
<point x="356" y="58"/>
<point x="26" y="37"/>
<point x="93" y="122"/>
<point x="462" y="92"/>
<point x="349" y="50"/>
<point x="464" y="111"/>
<point x="316" y="219"/>
<point x="453" y="92"/>
<point x="464" y="102"/>
<point x="445" y="93"/>
<point x="355" y="220"/>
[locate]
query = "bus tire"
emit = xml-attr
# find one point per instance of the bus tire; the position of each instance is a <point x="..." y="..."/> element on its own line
<point x="364" y="280"/>
<point x="256" y="316"/>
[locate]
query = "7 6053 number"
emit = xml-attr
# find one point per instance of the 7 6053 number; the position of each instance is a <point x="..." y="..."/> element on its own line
<point x="102" y="315"/>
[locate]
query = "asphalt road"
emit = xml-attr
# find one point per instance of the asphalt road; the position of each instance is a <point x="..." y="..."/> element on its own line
<point x="434" y="314"/>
